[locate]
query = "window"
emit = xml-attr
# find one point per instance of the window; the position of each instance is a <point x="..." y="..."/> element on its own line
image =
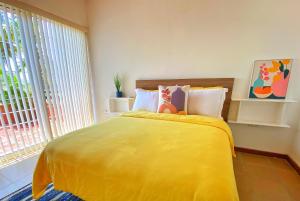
<point x="44" y="82"/>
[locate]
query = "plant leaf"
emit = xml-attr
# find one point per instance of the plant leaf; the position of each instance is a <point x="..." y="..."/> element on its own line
<point x="286" y="73"/>
<point x="281" y="68"/>
<point x="117" y="82"/>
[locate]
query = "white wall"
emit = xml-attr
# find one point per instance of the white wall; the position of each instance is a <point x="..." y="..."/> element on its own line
<point x="73" y="10"/>
<point x="142" y="39"/>
<point x="295" y="152"/>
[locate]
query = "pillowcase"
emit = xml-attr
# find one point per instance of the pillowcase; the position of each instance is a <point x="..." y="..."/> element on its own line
<point x="145" y="100"/>
<point x="173" y="99"/>
<point x="216" y="87"/>
<point x="207" y="101"/>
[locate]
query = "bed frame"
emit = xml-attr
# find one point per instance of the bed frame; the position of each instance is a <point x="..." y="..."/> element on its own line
<point x="205" y="82"/>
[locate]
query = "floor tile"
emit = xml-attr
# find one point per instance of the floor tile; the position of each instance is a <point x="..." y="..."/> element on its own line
<point x="4" y="192"/>
<point x="15" y="186"/>
<point x="19" y="170"/>
<point x="16" y="176"/>
<point x="3" y="181"/>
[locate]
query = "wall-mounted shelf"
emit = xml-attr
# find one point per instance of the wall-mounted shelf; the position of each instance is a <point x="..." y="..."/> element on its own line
<point x="265" y="100"/>
<point x="259" y="112"/>
<point x="256" y="123"/>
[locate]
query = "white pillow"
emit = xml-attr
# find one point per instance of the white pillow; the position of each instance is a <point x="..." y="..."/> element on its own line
<point x="145" y="100"/>
<point x="208" y="102"/>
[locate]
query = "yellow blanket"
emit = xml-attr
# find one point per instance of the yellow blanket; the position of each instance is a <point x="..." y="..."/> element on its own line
<point x="142" y="157"/>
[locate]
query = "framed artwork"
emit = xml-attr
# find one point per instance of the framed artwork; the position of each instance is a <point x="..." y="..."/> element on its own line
<point x="270" y="78"/>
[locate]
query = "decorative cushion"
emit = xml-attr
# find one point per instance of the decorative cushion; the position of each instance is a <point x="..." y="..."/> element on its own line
<point x="173" y="99"/>
<point x="145" y="100"/>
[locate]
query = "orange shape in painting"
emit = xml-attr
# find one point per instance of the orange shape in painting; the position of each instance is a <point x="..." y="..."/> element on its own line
<point x="167" y="108"/>
<point x="277" y="77"/>
<point x="273" y="69"/>
<point x="275" y="64"/>
<point x="262" y="92"/>
<point x="286" y="61"/>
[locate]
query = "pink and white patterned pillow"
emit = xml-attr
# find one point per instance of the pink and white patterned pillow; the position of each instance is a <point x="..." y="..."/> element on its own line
<point x="173" y="99"/>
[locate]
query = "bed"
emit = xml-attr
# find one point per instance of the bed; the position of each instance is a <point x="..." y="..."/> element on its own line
<point x="142" y="156"/>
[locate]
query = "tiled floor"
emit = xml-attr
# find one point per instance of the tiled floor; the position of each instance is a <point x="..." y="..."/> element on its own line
<point x="261" y="178"/>
<point x="16" y="176"/>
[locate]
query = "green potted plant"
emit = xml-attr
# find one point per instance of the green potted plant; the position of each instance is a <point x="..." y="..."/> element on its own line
<point x="117" y="82"/>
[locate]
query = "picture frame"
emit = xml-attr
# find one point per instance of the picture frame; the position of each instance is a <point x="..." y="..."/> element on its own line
<point x="270" y="78"/>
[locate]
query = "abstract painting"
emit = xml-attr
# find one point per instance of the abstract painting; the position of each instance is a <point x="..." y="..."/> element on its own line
<point x="270" y="78"/>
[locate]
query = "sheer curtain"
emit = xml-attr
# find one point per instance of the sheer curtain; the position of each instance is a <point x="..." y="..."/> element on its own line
<point x="44" y="82"/>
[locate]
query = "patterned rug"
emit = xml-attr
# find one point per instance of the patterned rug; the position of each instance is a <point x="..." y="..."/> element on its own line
<point x="25" y="194"/>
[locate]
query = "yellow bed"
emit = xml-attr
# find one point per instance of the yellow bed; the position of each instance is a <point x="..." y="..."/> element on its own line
<point x="142" y="157"/>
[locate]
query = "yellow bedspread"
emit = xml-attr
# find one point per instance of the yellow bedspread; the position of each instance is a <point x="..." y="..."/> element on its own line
<point x="142" y="157"/>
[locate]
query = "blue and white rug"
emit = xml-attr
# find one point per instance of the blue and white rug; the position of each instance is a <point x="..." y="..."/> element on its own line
<point x="25" y="194"/>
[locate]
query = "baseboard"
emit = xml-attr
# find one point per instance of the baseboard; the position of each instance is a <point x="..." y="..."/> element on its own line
<point x="293" y="164"/>
<point x="270" y="154"/>
<point x="259" y="152"/>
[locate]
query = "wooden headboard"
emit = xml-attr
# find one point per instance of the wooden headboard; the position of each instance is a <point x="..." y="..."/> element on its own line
<point x="206" y="82"/>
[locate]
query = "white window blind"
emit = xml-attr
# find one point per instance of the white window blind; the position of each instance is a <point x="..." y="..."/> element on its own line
<point x="44" y="82"/>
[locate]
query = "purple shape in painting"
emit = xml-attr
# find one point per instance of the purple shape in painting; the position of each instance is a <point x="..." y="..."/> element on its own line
<point x="178" y="99"/>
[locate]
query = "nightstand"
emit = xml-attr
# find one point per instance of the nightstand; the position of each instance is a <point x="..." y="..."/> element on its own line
<point x="116" y="106"/>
